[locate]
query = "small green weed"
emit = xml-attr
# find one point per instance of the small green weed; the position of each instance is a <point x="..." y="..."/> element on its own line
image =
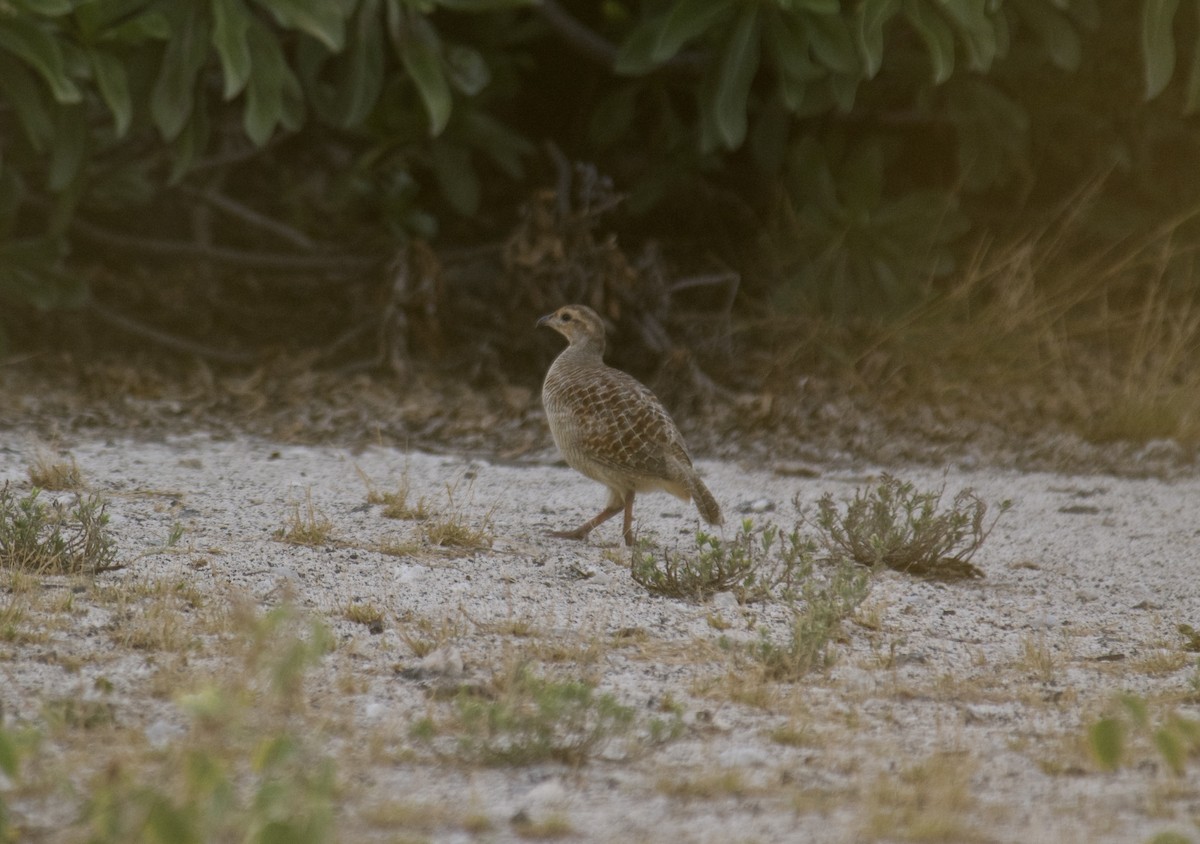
<point x="827" y="602"/>
<point x="54" y="538"/>
<point x="527" y="719"/>
<point x="174" y="535"/>
<point x="758" y="563"/>
<point x="896" y="526"/>
<point x="248" y="769"/>
<point x="1175" y="737"/>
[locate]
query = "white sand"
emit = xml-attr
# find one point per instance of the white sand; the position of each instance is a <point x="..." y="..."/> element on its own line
<point x="945" y="680"/>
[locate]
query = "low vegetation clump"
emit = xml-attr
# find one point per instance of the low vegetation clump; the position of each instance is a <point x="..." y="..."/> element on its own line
<point x="1113" y="739"/>
<point x="757" y="564"/>
<point x="306" y="526"/>
<point x="891" y="524"/>
<point x="454" y="531"/>
<point x="396" y="504"/>
<point x="55" y="475"/>
<point x="248" y="769"/>
<point x="895" y="525"/>
<point x="817" y="623"/>
<point x="50" y="537"/>
<point x="524" y="719"/>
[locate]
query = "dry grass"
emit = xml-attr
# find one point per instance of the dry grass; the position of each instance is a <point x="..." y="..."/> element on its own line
<point x="57" y="474"/>
<point x="306" y="525"/>
<point x="1106" y="341"/>
<point x="550" y="828"/>
<point x="1160" y="662"/>
<point x="729" y="782"/>
<point x="364" y="613"/>
<point x="1038" y="659"/>
<point x="930" y="801"/>
<point x="455" y="531"/>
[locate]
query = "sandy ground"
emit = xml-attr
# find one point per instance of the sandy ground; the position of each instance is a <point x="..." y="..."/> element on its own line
<point x="953" y="712"/>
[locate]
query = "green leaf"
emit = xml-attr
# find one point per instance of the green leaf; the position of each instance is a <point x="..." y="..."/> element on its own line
<point x="362" y="78"/>
<point x="153" y="25"/>
<point x="1106" y="738"/>
<point x="114" y="87"/>
<point x="832" y="44"/>
<point x="501" y="144"/>
<point x="738" y="66"/>
<point x="469" y="73"/>
<point x="322" y="19"/>
<point x="870" y="17"/>
<point x="1136" y="707"/>
<point x="190" y="143"/>
<point x="231" y="21"/>
<point x="24" y="39"/>
<point x="976" y="29"/>
<point x="937" y="35"/>
<point x="265" y="90"/>
<point x="1171" y="749"/>
<point x="685" y="20"/>
<point x="788" y="43"/>
<point x="1158" y="44"/>
<point x="635" y="55"/>
<point x="456" y="177"/>
<point x="168" y="823"/>
<point x="8" y="755"/>
<point x="420" y="51"/>
<point x="485" y="5"/>
<point x="21" y="90"/>
<point x="70" y="141"/>
<point x="94" y="18"/>
<point x="818" y="7"/>
<point x="48" y="8"/>
<point x="1055" y="31"/>
<point x="174" y="91"/>
<point x="843" y="89"/>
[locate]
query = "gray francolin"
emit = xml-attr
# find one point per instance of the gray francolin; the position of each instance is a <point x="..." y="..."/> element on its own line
<point x="610" y="427"/>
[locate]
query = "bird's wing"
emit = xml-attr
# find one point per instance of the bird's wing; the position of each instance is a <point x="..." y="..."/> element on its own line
<point x="624" y="425"/>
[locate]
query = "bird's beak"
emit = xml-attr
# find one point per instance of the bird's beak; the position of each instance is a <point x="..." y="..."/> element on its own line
<point x="545" y="320"/>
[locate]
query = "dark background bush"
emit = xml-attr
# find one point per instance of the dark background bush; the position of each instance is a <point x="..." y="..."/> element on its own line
<point x="243" y="175"/>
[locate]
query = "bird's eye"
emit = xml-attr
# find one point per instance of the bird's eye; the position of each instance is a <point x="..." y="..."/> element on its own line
<point x="565" y="317"/>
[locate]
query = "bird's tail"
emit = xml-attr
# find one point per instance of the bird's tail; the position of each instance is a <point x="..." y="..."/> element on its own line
<point x="710" y="511"/>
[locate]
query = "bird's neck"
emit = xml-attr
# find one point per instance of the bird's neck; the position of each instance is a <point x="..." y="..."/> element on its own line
<point x="585" y="350"/>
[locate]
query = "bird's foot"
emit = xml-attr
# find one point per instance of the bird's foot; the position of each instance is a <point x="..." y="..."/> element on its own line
<point x="578" y="533"/>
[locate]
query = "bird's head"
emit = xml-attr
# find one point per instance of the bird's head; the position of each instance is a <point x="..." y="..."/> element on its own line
<point x="578" y="323"/>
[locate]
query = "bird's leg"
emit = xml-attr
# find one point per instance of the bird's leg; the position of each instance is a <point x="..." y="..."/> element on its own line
<point x="628" y="532"/>
<point x="587" y="527"/>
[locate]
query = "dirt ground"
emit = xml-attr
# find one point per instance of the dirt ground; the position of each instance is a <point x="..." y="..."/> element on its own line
<point x="950" y="711"/>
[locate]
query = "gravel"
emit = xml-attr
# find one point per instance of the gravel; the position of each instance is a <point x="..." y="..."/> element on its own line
<point x="984" y="686"/>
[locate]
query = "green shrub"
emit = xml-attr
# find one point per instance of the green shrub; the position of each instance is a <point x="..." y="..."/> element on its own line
<point x="896" y="526"/>
<point x="756" y="564"/>
<point x="53" y="538"/>
<point x="532" y="719"/>
<point x="248" y="768"/>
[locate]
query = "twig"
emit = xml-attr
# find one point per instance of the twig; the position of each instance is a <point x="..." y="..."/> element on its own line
<point x="277" y="261"/>
<point x="255" y="218"/>
<point x="179" y="344"/>
<point x="599" y="49"/>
